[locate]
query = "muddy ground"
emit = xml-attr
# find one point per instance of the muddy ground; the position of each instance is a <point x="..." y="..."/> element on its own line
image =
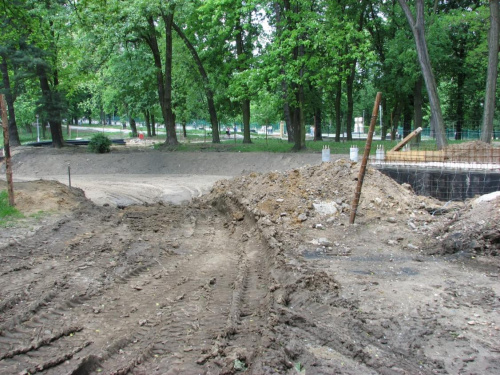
<point x="261" y="275"/>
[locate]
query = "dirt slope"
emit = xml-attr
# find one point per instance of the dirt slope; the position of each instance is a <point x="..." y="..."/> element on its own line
<point x="263" y="275"/>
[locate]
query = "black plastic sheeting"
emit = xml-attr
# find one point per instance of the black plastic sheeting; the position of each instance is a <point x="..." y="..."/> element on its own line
<point x="445" y="184"/>
<point x="73" y="142"/>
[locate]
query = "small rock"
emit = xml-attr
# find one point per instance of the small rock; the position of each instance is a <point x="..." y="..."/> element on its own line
<point x="471" y="322"/>
<point x="392" y="242"/>
<point x="412" y="225"/>
<point x="302" y="217"/>
<point x="238" y="216"/>
<point x="412" y="246"/>
<point x="143" y="322"/>
<point x="324" y="241"/>
<point x="392" y="220"/>
<point x="280" y="200"/>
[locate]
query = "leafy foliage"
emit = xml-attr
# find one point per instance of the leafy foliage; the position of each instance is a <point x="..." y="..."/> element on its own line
<point x="317" y="58"/>
<point x="99" y="144"/>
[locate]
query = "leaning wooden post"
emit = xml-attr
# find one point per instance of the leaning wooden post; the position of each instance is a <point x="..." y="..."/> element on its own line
<point x="361" y="176"/>
<point x="8" y="165"/>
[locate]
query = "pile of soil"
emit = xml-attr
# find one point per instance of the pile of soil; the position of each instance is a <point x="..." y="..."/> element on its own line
<point x="322" y="192"/>
<point x="476" y="151"/>
<point x="474" y="230"/>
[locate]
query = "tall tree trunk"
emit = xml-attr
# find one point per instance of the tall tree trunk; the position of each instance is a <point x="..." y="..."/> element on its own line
<point x="296" y="123"/>
<point x="395" y="116"/>
<point x="302" y="103"/>
<point x="245" y="103"/>
<point x="417" y="107"/>
<point x="245" y="110"/>
<point x="147" y="121"/>
<point x="168" y="20"/>
<point x="206" y="83"/>
<point x="338" y="114"/>
<point x="460" y="101"/>
<point x="406" y="119"/>
<point x="287" y="114"/>
<point x="350" y="100"/>
<point x="51" y="106"/>
<point x="384" y="126"/>
<point x="300" y="131"/>
<point x="491" y="77"/>
<point x="318" y="135"/>
<point x="184" y="132"/>
<point x="164" y="92"/>
<point x="418" y="29"/>
<point x="153" y="125"/>
<point x="287" y="111"/>
<point x="133" y="126"/>
<point x="13" y="133"/>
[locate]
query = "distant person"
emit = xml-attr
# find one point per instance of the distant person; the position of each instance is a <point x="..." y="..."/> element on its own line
<point x="228" y="132"/>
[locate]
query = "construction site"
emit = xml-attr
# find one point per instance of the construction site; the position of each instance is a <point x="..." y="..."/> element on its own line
<point x="159" y="262"/>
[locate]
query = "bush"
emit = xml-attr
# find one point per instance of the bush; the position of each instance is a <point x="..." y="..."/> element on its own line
<point x="99" y="144"/>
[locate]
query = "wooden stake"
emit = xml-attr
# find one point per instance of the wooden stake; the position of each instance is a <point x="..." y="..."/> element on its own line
<point x="407" y="139"/>
<point x="364" y="162"/>
<point x="8" y="164"/>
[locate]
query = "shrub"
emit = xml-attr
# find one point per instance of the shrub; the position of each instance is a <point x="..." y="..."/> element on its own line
<point x="99" y="144"/>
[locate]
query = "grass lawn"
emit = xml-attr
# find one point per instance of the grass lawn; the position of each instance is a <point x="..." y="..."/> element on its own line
<point x="7" y="212"/>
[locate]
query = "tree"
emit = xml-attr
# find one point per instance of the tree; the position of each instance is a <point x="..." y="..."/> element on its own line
<point x="491" y="78"/>
<point x="208" y="90"/>
<point x="418" y="29"/>
<point x="164" y="78"/>
<point x="11" y="23"/>
<point x="9" y="97"/>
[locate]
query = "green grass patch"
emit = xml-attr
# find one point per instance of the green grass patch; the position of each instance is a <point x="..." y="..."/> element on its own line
<point x="7" y="212"/>
<point x="194" y="143"/>
<point x="261" y="144"/>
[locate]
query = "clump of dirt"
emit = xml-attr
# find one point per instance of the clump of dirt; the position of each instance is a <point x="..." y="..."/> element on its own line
<point x="34" y="199"/>
<point x="476" y="151"/>
<point x="45" y="196"/>
<point x="475" y="229"/>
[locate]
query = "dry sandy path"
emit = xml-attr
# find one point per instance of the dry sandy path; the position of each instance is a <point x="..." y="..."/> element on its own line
<point x="131" y="175"/>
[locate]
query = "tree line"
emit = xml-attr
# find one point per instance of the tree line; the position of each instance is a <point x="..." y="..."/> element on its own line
<point x="304" y="62"/>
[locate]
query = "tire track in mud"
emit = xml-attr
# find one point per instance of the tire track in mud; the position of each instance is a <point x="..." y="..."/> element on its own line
<point x="49" y="305"/>
<point x="311" y="327"/>
<point x="188" y="295"/>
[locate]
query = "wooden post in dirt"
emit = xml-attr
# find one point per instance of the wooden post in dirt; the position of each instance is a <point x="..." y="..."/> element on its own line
<point x="8" y="165"/>
<point x="361" y="176"/>
<point x="407" y="139"/>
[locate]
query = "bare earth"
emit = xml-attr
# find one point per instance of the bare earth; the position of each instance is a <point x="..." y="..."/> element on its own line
<point x="260" y="273"/>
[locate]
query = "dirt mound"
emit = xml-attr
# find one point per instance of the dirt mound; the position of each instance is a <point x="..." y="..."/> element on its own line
<point x="476" y="151"/>
<point x="45" y="196"/>
<point x="321" y="192"/>
<point x="474" y="230"/>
